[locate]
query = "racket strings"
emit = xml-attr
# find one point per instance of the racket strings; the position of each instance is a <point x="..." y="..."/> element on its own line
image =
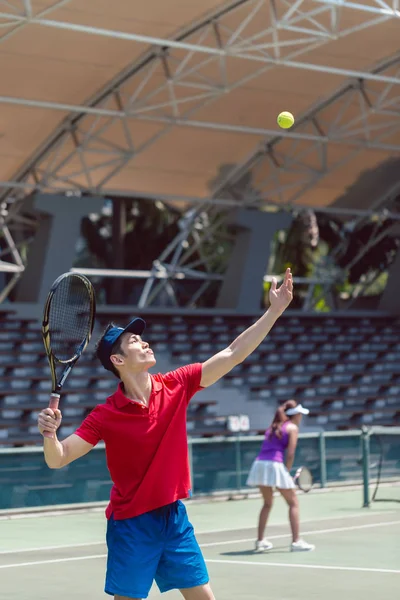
<point x="305" y="479"/>
<point x="69" y="317"/>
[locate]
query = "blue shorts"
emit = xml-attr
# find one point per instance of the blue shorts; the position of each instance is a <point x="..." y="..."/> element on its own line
<point x="159" y="545"/>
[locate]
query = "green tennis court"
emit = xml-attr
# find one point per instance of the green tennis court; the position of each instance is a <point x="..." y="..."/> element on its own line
<point x="358" y="551"/>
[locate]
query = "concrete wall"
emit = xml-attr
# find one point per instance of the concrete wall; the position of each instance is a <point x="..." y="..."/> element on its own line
<point x="54" y="247"/>
<point x="242" y="286"/>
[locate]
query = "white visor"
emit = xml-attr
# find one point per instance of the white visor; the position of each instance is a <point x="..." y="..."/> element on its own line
<point x="297" y="410"/>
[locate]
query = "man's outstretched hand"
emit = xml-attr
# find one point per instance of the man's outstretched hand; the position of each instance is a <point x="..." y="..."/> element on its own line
<point x="280" y="297"/>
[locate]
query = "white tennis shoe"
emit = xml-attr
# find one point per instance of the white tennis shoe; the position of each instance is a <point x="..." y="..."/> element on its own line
<point x="263" y="546"/>
<point x="302" y="546"/>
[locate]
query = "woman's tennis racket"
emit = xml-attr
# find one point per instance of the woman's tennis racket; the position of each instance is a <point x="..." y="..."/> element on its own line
<point x="67" y="326"/>
<point x="303" y="479"/>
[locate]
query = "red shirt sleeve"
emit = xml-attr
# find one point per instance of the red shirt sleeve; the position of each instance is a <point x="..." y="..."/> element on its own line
<point x="90" y="430"/>
<point x="190" y="377"/>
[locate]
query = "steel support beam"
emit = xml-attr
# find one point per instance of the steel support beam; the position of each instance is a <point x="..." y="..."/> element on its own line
<point x="390" y="9"/>
<point x="186" y="90"/>
<point x="140" y="107"/>
<point x="219" y="52"/>
<point x="207" y="125"/>
<point x="225" y="203"/>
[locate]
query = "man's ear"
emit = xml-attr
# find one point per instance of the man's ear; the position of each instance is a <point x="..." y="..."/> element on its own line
<point x="116" y="360"/>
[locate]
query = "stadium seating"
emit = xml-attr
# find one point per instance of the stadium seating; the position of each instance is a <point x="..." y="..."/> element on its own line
<point x="346" y="370"/>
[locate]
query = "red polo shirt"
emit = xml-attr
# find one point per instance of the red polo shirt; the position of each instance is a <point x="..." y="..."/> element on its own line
<point x="146" y="448"/>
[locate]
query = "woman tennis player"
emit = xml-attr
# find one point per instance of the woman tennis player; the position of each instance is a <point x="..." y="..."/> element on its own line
<point x="271" y="470"/>
<point x="143" y="426"/>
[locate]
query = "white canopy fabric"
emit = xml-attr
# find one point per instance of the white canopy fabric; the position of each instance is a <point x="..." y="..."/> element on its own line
<point x="163" y="97"/>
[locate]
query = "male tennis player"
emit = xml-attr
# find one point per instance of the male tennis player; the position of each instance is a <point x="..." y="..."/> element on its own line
<point x="143" y="425"/>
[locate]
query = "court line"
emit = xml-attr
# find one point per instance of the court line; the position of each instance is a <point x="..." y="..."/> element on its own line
<point x="73" y="512"/>
<point x="320" y="531"/>
<point x="61" y="547"/>
<point x="300" y="566"/>
<point x="101" y="542"/>
<point x="316" y="520"/>
<point x="98" y="507"/>
<point x="53" y="561"/>
<point x="315" y="532"/>
<point x="217" y="561"/>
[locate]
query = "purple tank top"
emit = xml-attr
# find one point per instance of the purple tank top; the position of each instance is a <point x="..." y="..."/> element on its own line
<point x="273" y="448"/>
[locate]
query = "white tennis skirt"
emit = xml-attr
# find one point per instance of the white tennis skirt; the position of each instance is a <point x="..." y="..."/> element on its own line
<point x="270" y="473"/>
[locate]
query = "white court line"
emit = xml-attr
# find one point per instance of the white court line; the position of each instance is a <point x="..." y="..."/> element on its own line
<point x="217" y="561"/>
<point x="320" y="531"/>
<point x="73" y="512"/>
<point x="96" y="507"/>
<point x="316" y="520"/>
<point x="100" y="542"/>
<point x="53" y="561"/>
<point x="299" y="566"/>
<point x="316" y="532"/>
<point x="61" y="547"/>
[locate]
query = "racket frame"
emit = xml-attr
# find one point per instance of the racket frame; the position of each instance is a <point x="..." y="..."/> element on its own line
<point x="57" y="384"/>
<point x="296" y="478"/>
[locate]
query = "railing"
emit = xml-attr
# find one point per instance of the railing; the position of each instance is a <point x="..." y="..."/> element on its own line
<point x="217" y="464"/>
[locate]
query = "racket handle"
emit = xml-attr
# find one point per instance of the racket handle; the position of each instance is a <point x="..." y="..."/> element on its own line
<point x="54" y="401"/>
<point x="53" y="404"/>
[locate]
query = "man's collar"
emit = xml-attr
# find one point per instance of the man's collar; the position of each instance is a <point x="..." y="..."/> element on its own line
<point x="121" y="400"/>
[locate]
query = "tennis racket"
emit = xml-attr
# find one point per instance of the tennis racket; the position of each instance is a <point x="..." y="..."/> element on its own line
<point x="67" y="326"/>
<point x="303" y="479"/>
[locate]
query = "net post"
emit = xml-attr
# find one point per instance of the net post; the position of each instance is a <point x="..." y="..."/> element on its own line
<point x="365" y="443"/>
<point x="322" y="458"/>
<point x="238" y="462"/>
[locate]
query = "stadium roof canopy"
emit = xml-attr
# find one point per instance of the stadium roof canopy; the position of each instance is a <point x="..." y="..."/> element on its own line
<point x="178" y="98"/>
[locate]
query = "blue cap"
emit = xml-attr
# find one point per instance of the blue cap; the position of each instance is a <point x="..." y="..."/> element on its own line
<point x="104" y="350"/>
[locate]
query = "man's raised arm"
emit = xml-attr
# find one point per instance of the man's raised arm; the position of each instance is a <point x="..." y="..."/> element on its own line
<point x="221" y="363"/>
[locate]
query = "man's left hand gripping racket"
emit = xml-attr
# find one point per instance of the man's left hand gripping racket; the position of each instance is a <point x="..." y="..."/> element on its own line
<point x="67" y="326"/>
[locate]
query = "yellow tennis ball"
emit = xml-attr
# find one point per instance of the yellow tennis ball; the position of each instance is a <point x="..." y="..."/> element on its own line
<point x="285" y="120"/>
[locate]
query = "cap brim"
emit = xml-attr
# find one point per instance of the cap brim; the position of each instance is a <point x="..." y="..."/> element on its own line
<point x="297" y="410"/>
<point x="136" y="326"/>
<point x="112" y="335"/>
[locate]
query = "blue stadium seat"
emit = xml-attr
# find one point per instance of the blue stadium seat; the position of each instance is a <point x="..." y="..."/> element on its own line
<point x="343" y="369"/>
